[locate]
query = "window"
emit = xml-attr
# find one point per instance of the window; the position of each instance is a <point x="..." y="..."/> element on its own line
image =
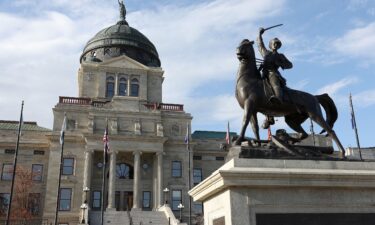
<point x="123" y="87"/>
<point x="197" y="175"/>
<point x="33" y="203"/>
<point x="110" y="87"/>
<point x="37" y="172"/>
<point x="65" y="199"/>
<point x="176" y="199"/>
<point x="124" y="171"/>
<point x="197" y="157"/>
<point x="4" y="203"/>
<point x="198" y="208"/>
<point x="176" y="169"/>
<point x="7" y="172"/>
<point x="38" y="152"/>
<point x="134" y="85"/>
<point x="220" y="158"/>
<point x="146" y="203"/>
<point x="96" y="199"/>
<point x="10" y="151"/>
<point x="68" y="166"/>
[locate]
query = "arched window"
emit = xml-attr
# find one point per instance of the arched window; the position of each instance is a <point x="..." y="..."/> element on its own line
<point x="134" y="87"/>
<point x="124" y="171"/>
<point x="123" y="87"/>
<point x="110" y="87"/>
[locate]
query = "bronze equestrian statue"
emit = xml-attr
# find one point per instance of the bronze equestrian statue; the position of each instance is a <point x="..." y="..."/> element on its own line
<point x="255" y="93"/>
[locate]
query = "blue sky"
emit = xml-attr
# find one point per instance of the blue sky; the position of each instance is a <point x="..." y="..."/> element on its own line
<point x="331" y="44"/>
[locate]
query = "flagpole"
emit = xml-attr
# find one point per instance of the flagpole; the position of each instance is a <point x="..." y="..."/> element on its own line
<point x="354" y="124"/>
<point x="189" y="183"/>
<point x="312" y="131"/>
<point x="15" y="164"/>
<point x="62" y="142"/>
<point x="104" y="175"/>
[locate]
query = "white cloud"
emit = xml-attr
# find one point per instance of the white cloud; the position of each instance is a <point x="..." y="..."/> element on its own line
<point x="358" y="42"/>
<point x="335" y="87"/>
<point x="42" y="43"/>
<point x="365" y="98"/>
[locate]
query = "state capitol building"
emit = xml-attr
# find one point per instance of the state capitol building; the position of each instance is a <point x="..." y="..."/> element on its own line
<point x="120" y="84"/>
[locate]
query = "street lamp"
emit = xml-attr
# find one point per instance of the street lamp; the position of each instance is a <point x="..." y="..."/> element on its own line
<point x="83" y="207"/>
<point x="180" y="206"/>
<point x="166" y="190"/>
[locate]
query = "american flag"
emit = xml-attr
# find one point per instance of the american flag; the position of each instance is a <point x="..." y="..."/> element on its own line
<point x="227" y="136"/>
<point x="106" y="143"/>
<point x="269" y="134"/>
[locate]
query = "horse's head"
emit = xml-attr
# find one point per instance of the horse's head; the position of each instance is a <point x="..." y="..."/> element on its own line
<point x="245" y="50"/>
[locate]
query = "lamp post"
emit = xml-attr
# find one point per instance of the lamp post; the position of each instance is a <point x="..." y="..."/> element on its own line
<point x="166" y="190"/>
<point x="84" y="206"/>
<point x="180" y="206"/>
<point x="85" y="190"/>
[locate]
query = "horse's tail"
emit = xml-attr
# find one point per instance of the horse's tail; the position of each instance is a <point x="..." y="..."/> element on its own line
<point x="330" y="108"/>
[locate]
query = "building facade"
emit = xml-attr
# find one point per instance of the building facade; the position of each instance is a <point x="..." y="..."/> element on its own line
<point x="120" y="88"/>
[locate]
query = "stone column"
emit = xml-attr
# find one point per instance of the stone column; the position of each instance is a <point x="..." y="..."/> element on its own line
<point x="112" y="181"/>
<point x="137" y="180"/>
<point x="87" y="174"/>
<point x="154" y="183"/>
<point x="116" y="85"/>
<point x="159" y="186"/>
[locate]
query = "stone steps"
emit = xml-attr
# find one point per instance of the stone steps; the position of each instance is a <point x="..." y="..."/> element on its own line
<point x="148" y="218"/>
<point x="122" y="218"/>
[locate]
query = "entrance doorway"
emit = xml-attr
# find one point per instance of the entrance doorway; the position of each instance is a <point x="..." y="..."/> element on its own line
<point x="124" y="200"/>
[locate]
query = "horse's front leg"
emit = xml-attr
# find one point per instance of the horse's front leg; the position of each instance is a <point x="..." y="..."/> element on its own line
<point x="245" y="122"/>
<point x="255" y="126"/>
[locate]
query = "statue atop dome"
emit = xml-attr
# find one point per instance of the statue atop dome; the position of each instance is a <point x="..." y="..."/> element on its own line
<point x="122" y="10"/>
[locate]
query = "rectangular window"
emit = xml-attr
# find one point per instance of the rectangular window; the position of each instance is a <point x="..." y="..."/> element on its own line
<point x="37" y="172"/>
<point x="65" y="199"/>
<point x="197" y="175"/>
<point x="96" y="199"/>
<point x="68" y="166"/>
<point x="10" y="151"/>
<point x="7" y="172"/>
<point x="38" y="152"/>
<point x="220" y="158"/>
<point x="197" y="157"/>
<point x="198" y="208"/>
<point x="176" y="169"/>
<point x="176" y="199"/>
<point x="4" y="203"/>
<point x="33" y="203"/>
<point x="146" y="203"/>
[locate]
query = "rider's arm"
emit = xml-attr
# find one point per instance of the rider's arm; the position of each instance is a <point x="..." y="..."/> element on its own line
<point x="283" y="62"/>
<point x="262" y="49"/>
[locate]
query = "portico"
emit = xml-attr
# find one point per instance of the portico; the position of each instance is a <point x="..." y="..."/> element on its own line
<point x="131" y="182"/>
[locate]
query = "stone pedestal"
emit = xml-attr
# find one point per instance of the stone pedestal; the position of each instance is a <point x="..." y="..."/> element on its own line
<point x="271" y="191"/>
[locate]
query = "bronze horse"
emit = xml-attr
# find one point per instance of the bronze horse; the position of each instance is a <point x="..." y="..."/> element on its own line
<point x="251" y="95"/>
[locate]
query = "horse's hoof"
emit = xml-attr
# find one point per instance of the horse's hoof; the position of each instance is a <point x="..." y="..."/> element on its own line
<point x="237" y="142"/>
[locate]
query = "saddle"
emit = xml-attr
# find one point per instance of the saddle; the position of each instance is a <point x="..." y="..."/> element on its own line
<point x="268" y="91"/>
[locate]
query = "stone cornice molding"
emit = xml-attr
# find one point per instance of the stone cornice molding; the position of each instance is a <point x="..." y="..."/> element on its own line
<point x="303" y="175"/>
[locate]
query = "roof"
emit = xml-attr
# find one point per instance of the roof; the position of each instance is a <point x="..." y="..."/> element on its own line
<point x="27" y="126"/>
<point x="127" y="40"/>
<point x="198" y="134"/>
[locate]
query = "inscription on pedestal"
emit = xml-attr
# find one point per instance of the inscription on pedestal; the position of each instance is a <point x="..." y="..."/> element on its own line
<point x="316" y="219"/>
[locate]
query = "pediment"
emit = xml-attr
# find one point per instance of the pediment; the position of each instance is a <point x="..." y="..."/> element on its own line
<point x="124" y="62"/>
